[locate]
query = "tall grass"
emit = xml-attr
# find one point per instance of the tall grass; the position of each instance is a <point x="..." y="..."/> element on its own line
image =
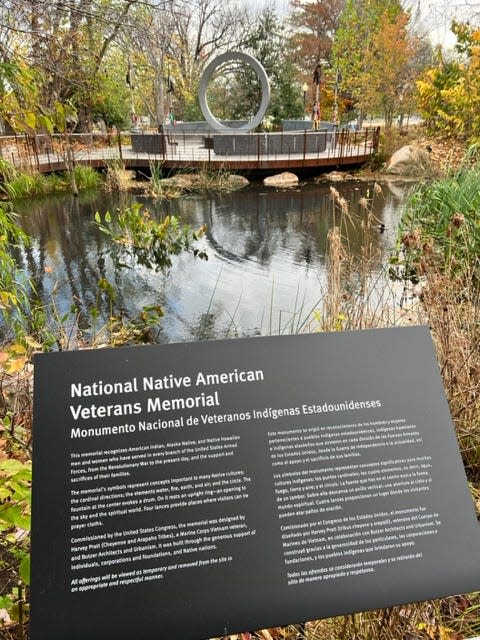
<point x="15" y="287"/>
<point x="359" y="293"/>
<point x="448" y="300"/>
<point x="117" y="178"/>
<point x="87" y="178"/>
<point x="24" y="185"/>
<point x="445" y="296"/>
<point x="7" y="170"/>
<point x="439" y="248"/>
<point x="442" y="220"/>
<point x="196" y="181"/>
<point x="218" y="180"/>
<point x="17" y="185"/>
<point x="163" y="188"/>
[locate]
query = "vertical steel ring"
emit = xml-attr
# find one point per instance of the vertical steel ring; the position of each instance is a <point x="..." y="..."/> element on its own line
<point x="262" y="76"/>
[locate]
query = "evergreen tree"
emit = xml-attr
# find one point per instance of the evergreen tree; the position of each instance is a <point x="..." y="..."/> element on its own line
<point x="269" y="43"/>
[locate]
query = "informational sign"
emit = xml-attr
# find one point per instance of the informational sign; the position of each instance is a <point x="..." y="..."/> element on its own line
<point x="196" y="490"/>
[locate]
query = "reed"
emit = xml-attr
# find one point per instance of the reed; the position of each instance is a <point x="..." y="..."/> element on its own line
<point x="117" y="178"/>
<point x="87" y="178"/>
<point x="359" y="293"/>
<point x="24" y="185"/>
<point x="441" y="220"/>
<point x="17" y="185"/>
<point x="163" y="188"/>
<point x="446" y="298"/>
<point x="208" y="180"/>
<point x="196" y="181"/>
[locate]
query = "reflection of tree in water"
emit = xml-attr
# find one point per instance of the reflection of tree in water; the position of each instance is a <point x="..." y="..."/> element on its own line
<point x="66" y="255"/>
<point x="242" y="230"/>
<point x="255" y="225"/>
<point x="204" y="327"/>
<point x="255" y="231"/>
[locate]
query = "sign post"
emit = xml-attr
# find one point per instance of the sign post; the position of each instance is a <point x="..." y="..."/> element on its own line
<point x="198" y="490"/>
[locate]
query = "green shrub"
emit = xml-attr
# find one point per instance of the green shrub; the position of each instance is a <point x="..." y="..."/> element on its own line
<point x="15" y="508"/>
<point x="441" y="225"/>
<point x="87" y="178"/>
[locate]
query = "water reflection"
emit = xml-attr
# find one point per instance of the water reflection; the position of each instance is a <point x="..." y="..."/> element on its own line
<point x="266" y="267"/>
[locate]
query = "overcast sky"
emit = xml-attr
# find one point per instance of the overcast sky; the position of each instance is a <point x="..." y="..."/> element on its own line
<point x="434" y="16"/>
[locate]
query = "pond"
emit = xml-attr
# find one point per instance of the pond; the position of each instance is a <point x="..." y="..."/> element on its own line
<point x="265" y="271"/>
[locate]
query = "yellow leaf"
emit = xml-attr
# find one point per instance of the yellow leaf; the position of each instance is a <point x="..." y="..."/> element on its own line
<point x="30" y="120"/>
<point x="15" y="365"/>
<point x="7" y="300"/>
<point x="16" y="348"/>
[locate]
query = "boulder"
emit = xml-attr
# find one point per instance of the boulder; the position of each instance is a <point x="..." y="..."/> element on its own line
<point x="195" y="182"/>
<point x="281" y="180"/>
<point x="410" y="161"/>
<point x="334" y="176"/>
<point x="237" y="182"/>
<point x="181" y="181"/>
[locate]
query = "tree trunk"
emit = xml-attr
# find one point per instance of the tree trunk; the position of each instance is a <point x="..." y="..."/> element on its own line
<point x="70" y="162"/>
<point x="84" y="124"/>
<point x="159" y="95"/>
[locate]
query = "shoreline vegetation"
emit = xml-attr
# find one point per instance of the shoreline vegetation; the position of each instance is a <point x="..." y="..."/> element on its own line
<point x="432" y="279"/>
<point x="17" y="184"/>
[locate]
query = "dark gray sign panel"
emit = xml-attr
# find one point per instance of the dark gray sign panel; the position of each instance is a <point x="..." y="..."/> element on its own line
<point x="194" y="490"/>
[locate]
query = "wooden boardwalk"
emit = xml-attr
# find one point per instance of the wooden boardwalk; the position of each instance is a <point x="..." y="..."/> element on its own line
<point x="344" y="148"/>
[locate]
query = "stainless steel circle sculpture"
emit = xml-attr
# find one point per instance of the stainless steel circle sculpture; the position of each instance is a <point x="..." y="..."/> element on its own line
<point x="262" y="76"/>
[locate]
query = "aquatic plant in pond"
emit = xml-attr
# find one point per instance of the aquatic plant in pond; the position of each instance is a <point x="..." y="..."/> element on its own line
<point x="137" y="234"/>
<point x="139" y="237"/>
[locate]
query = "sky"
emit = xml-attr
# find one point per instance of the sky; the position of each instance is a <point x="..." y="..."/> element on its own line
<point x="435" y="16"/>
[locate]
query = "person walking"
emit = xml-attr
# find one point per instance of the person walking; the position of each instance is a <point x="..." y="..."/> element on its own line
<point x="316" y="116"/>
<point x="171" y="116"/>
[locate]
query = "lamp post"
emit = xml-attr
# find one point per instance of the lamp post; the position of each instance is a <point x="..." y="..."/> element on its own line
<point x="304" y="89"/>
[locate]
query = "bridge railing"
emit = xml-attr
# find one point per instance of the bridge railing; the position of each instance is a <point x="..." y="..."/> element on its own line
<point x="45" y="153"/>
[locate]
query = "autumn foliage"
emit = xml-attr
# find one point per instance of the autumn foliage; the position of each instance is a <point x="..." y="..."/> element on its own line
<point x="449" y="93"/>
